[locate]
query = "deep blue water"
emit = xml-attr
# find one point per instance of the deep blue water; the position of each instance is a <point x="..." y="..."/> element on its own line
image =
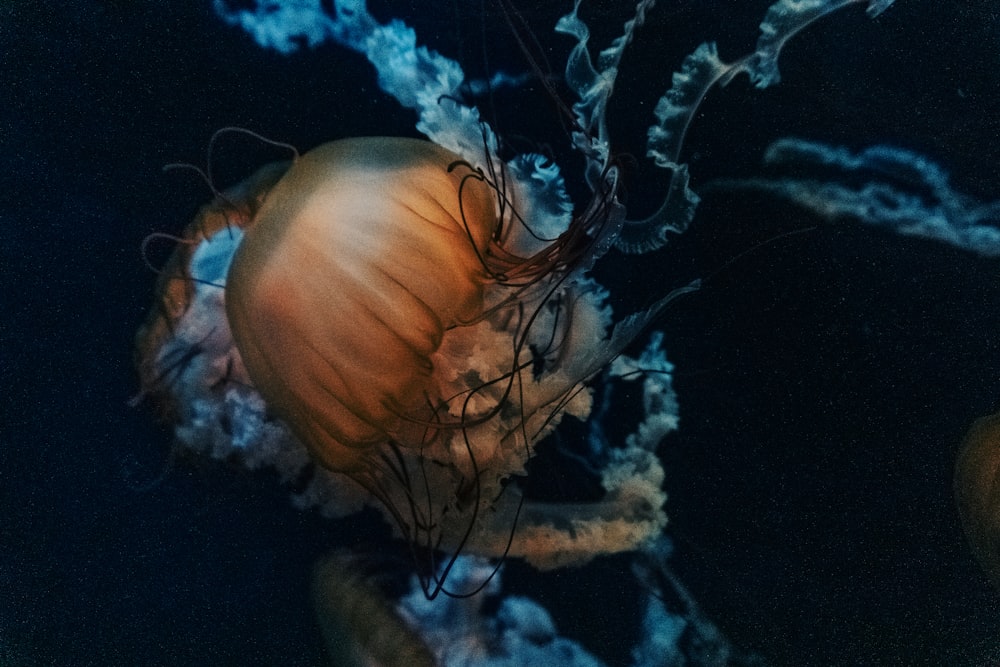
<point x="825" y="377"/>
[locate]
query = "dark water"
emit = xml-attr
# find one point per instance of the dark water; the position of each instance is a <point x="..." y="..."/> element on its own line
<point x="825" y="377"/>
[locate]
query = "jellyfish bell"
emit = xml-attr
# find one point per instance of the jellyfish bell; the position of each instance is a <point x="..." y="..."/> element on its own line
<point x="182" y="335"/>
<point x="362" y="256"/>
<point x="977" y="492"/>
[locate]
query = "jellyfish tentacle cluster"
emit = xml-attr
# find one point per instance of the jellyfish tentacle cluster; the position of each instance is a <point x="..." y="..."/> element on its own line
<point x="884" y="186"/>
<point x="700" y="71"/>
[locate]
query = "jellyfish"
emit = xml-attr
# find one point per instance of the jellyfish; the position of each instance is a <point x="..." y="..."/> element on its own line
<point x="977" y="492"/>
<point x="358" y="624"/>
<point x="400" y="322"/>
